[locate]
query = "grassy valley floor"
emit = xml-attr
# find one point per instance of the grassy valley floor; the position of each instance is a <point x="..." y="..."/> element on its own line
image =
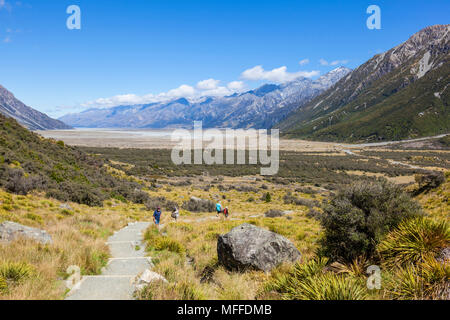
<point x="185" y="252"/>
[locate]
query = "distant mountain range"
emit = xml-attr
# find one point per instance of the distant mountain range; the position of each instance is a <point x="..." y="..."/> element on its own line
<point x="402" y="93"/>
<point x="259" y="108"/>
<point x="26" y="116"/>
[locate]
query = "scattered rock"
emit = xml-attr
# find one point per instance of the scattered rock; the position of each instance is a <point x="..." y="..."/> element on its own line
<point x="444" y="256"/>
<point x="10" y="231"/>
<point x="148" y="277"/>
<point x="251" y="247"/>
<point x="74" y="278"/>
<point x="65" y="206"/>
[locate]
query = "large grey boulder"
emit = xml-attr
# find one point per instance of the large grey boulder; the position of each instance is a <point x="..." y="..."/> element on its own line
<point x="251" y="247"/>
<point x="10" y="231"/>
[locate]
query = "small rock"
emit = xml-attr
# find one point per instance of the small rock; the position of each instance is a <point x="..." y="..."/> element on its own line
<point x="65" y="206"/>
<point x="444" y="255"/>
<point x="10" y="231"/>
<point x="148" y="277"/>
<point x="251" y="247"/>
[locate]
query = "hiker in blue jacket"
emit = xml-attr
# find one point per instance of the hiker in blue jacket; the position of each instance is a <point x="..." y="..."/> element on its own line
<point x="157" y="216"/>
<point x="218" y="208"/>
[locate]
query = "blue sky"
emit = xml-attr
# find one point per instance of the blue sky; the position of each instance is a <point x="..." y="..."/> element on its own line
<point x="139" y="50"/>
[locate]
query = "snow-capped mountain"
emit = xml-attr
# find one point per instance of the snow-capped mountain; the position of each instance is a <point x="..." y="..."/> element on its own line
<point x="259" y="108"/>
<point x="402" y="93"/>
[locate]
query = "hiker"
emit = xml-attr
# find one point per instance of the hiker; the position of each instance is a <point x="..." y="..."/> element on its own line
<point x="218" y="208"/>
<point x="226" y="212"/>
<point x="175" y="214"/>
<point x="157" y="216"/>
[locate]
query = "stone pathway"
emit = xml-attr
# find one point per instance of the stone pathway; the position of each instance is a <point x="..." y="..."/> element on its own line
<point x="117" y="281"/>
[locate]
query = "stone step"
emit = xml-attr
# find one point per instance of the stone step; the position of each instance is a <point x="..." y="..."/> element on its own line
<point x="104" y="288"/>
<point x="126" y="266"/>
<point x="126" y="249"/>
<point x="126" y="235"/>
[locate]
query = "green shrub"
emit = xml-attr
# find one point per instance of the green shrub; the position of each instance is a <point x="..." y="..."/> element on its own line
<point x="330" y="286"/>
<point x="3" y="285"/>
<point x="199" y="205"/>
<point x="16" y="271"/>
<point x="169" y="245"/>
<point x="189" y="291"/>
<point x="267" y="197"/>
<point x="359" y="216"/>
<point x="310" y="281"/>
<point x="35" y="217"/>
<point x="427" y="280"/>
<point x="413" y="240"/>
<point x="93" y="261"/>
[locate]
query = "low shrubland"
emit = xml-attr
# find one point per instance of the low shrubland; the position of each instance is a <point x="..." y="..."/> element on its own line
<point x="359" y="216"/>
<point x="29" y="162"/>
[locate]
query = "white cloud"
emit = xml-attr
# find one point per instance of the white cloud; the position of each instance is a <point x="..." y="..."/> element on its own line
<point x="7" y="40"/>
<point x="236" y="86"/>
<point x="303" y="62"/>
<point x="209" y="87"/>
<point x="182" y="91"/>
<point x="209" y="84"/>
<point x="324" y="62"/>
<point x="279" y="75"/>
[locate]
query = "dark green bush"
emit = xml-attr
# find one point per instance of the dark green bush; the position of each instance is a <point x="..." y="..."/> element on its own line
<point x="199" y="205"/>
<point x="359" y="216"/>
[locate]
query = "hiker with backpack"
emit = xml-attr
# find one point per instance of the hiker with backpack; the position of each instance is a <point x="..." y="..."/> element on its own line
<point x="218" y="208"/>
<point x="157" y="216"/>
<point x="226" y="212"/>
<point x="175" y="214"/>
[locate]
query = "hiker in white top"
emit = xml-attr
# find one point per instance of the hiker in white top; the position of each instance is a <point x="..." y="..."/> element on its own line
<point x="175" y="213"/>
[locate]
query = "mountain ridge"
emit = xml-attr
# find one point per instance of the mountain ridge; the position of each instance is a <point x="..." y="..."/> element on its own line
<point x="11" y="107"/>
<point x="259" y="108"/>
<point x="401" y="93"/>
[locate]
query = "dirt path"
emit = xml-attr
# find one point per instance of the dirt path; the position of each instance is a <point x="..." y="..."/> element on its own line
<point x="117" y="281"/>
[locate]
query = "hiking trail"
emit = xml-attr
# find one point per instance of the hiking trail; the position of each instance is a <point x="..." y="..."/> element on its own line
<point x="128" y="261"/>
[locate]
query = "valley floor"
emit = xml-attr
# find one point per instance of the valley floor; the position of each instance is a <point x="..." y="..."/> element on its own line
<point x="185" y="252"/>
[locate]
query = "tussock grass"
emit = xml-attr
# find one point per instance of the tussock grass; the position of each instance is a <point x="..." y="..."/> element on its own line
<point x="185" y="252"/>
<point x="414" y="240"/>
<point x="311" y="281"/>
<point x="78" y="239"/>
<point x="429" y="280"/>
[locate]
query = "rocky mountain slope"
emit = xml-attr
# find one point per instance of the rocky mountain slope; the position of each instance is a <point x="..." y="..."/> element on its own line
<point x="28" y="117"/>
<point x="402" y="93"/>
<point x="259" y="108"/>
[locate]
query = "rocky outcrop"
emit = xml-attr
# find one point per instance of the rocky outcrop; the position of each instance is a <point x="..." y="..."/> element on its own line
<point x="11" y="231"/>
<point x="251" y="247"/>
